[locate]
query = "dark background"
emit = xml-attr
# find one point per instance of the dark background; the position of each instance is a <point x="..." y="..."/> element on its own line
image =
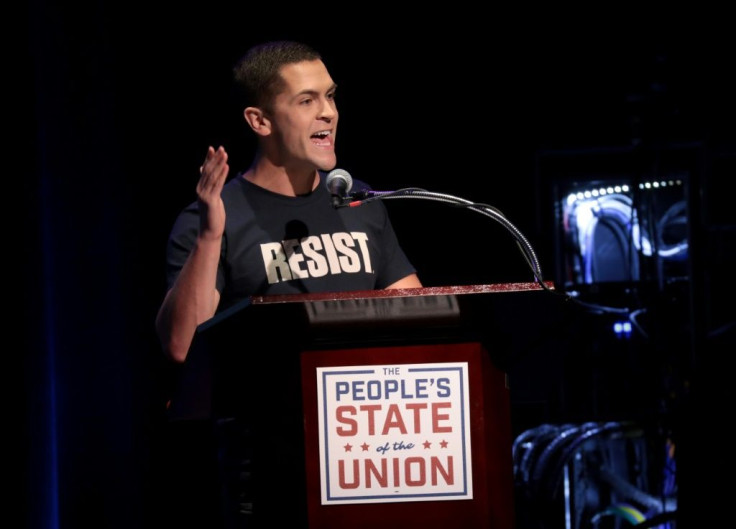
<point x="118" y="103"/>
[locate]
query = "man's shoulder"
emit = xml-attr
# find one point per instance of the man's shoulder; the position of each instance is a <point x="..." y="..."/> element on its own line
<point x="234" y="188"/>
<point x="234" y="182"/>
<point x="360" y="185"/>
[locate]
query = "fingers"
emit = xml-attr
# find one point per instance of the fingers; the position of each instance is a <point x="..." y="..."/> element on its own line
<point x="214" y="160"/>
<point x="213" y="171"/>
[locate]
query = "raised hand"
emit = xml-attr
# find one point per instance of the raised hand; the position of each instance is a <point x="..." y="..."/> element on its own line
<point x="213" y="174"/>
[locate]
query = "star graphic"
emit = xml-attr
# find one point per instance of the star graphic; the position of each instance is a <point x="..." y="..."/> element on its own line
<point x="365" y="447"/>
<point x="426" y="444"/>
<point x="443" y="444"/>
<point x="348" y="447"/>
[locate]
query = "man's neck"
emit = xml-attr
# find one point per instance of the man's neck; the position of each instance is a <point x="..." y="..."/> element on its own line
<point x="281" y="180"/>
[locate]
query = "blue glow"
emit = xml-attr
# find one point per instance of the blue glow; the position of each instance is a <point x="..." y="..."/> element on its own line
<point x="49" y="471"/>
<point x="622" y="329"/>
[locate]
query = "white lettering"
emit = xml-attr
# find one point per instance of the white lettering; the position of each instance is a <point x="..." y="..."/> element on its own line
<point x="362" y="239"/>
<point x="274" y="261"/>
<point x="316" y="262"/>
<point x="295" y="257"/>
<point x="331" y="254"/>
<point x="349" y="259"/>
<point x="316" y="256"/>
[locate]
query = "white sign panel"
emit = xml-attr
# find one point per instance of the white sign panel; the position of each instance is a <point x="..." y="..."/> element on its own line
<point x="394" y="433"/>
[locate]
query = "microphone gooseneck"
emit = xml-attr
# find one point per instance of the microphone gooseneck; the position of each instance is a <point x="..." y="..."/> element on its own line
<point x="339" y="183"/>
<point x="527" y="251"/>
<point x="418" y="193"/>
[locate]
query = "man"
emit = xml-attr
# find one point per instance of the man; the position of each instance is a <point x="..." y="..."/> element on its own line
<point x="273" y="229"/>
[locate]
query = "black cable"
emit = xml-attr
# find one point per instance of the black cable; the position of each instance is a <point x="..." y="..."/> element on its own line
<point x="631" y="492"/>
<point x="554" y="474"/>
<point x="622" y="238"/>
<point x="527" y="446"/>
<point x="542" y="465"/>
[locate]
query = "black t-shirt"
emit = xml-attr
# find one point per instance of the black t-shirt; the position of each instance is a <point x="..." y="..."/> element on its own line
<point x="276" y="244"/>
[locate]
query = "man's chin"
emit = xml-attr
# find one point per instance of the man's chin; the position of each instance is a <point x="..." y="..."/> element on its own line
<point x="326" y="159"/>
<point x="326" y="165"/>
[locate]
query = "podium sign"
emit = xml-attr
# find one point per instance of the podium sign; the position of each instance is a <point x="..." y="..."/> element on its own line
<point x="422" y="430"/>
<point x="395" y="432"/>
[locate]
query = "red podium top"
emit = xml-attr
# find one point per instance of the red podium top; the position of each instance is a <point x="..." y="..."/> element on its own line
<point x="400" y="292"/>
<point x="378" y="308"/>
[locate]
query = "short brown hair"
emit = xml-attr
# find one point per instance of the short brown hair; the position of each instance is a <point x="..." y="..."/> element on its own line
<point x="257" y="74"/>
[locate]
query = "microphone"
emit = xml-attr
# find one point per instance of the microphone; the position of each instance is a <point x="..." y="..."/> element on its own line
<point x="338" y="182"/>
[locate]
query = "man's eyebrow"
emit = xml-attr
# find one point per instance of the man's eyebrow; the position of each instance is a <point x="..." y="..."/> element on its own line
<point x="313" y="92"/>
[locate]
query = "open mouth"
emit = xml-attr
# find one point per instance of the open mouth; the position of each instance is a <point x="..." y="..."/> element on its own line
<point x="322" y="138"/>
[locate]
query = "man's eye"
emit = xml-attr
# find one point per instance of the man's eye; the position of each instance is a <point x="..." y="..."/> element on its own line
<point x="306" y="101"/>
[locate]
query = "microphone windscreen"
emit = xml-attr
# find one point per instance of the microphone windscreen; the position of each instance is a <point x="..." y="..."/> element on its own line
<point x="339" y="174"/>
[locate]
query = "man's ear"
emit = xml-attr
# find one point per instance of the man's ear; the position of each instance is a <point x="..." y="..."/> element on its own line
<point x="257" y="120"/>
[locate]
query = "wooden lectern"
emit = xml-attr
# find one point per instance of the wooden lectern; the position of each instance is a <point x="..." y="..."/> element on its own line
<point x="274" y="362"/>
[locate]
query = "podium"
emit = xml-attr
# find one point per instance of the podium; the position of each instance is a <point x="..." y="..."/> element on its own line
<point x="386" y="408"/>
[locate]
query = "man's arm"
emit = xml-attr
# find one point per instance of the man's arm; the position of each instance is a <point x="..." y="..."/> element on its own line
<point x="193" y="298"/>
<point x="410" y="281"/>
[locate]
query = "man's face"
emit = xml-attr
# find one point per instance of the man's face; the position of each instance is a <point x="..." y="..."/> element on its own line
<point x="305" y="116"/>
